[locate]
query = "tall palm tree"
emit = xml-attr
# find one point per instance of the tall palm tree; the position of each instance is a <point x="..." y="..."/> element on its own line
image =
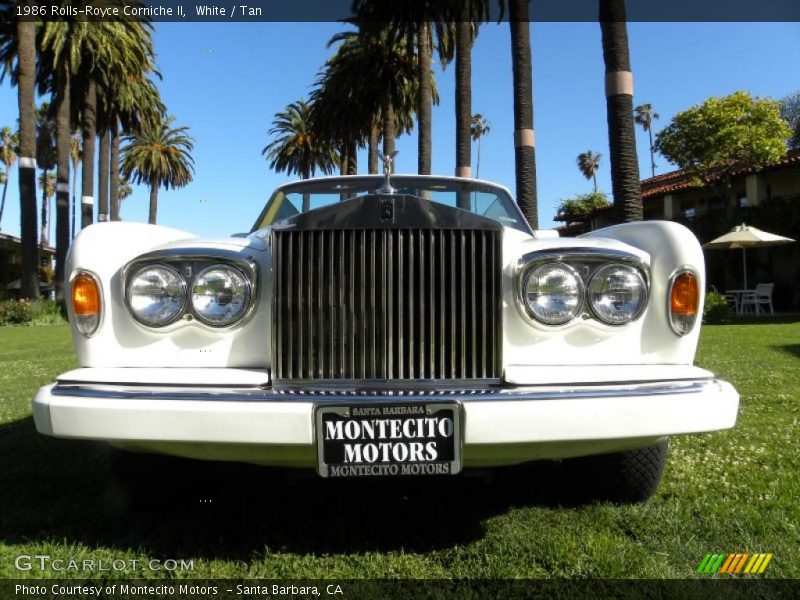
<point x="135" y="104"/>
<point x="160" y="156"/>
<point x="47" y="181"/>
<point x="589" y="163"/>
<point x="644" y="115"/>
<point x="295" y="147"/>
<point x="428" y="26"/>
<point x="478" y="128"/>
<point x="18" y="59"/>
<point x="75" y="155"/>
<point x="524" y="140"/>
<point x="46" y="160"/>
<point x="625" y="183"/>
<point x="9" y="143"/>
<point x="124" y="189"/>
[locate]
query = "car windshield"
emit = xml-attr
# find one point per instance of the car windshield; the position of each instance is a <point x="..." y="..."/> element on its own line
<point x="484" y="199"/>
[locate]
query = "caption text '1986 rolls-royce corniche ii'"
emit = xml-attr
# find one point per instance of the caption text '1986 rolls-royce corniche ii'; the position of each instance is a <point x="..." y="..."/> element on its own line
<point x="377" y="327"/>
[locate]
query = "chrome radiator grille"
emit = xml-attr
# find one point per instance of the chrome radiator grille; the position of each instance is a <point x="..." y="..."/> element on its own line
<point x="386" y="304"/>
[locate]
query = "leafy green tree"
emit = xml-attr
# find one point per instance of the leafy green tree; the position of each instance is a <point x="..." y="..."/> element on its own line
<point x="588" y="164"/>
<point x="479" y="127"/>
<point x="580" y="207"/>
<point x="625" y="183"/>
<point x="644" y="115"/>
<point x="790" y="111"/>
<point x="9" y="143"/>
<point x="158" y="155"/>
<point x="712" y="139"/>
<point x="296" y="148"/>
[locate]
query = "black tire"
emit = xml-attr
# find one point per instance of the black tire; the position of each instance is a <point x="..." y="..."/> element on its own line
<point x="625" y="477"/>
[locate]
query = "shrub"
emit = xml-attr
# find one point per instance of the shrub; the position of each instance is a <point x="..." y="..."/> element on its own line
<point x="716" y="309"/>
<point x="15" y="312"/>
<point x="45" y="312"/>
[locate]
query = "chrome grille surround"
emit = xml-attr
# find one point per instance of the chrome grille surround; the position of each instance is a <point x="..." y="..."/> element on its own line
<point x="366" y="302"/>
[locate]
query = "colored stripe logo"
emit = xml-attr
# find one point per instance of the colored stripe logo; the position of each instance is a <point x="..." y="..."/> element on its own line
<point x="734" y="563"/>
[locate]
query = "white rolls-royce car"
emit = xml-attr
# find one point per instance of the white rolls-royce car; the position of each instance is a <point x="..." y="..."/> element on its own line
<point x="374" y="328"/>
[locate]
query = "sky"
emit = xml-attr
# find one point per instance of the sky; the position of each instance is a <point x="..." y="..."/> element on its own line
<point x="226" y="81"/>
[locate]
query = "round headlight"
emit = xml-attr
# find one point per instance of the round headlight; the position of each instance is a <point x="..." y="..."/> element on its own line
<point x="220" y="295"/>
<point x="617" y="294"/>
<point x="156" y="295"/>
<point x="553" y="293"/>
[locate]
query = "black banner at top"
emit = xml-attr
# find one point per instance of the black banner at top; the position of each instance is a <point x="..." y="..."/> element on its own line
<point x="221" y="11"/>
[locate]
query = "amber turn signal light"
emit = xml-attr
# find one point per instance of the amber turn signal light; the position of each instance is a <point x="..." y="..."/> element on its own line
<point x="684" y="302"/>
<point x="86" y="303"/>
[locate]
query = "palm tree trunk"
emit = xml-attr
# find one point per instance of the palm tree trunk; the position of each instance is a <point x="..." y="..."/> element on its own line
<point x="594" y="181"/>
<point x="344" y="157"/>
<point x="424" y="99"/>
<point x="388" y="126"/>
<point x="524" y="139"/>
<point x="352" y="160"/>
<point x="478" y="162"/>
<point x="73" y="200"/>
<point x="625" y="183"/>
<point x="114" y="170"/>
<point x="44" y="233"/>
<point x="89" y="131"/>
<point x="652" y="154"/>
<point x="153" y="203"/>
<point x="26" y="48"/>
<point x="372" y="155"/>
<point x="63" y="147"/>
<point x="3" y="202"/>
<point x="102" y="175"/>
<point x="463" y="93"/>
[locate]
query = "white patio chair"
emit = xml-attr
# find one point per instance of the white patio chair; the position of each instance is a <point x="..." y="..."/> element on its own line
<point x="761" y="296"/>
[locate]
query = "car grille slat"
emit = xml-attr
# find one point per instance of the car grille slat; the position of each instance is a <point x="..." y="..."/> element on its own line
<point x="386" y="304"/>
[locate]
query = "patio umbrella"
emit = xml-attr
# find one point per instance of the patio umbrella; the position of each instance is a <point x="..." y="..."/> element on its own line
<point x="744" y="237"/>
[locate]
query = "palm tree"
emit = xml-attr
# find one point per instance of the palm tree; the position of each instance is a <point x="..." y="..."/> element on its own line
<point x="46" y="160"/>
<point x="588" y="163"/>
<point x="159" y="156"/>
<point x="75" y="154"/>
<point x="478" y="128"/>
<point x="625" y="183"/>
<point x="427" y="25"/>
<point x="524" y="141"/>
<point x="18" y="59"/>
<point x="9" y="142"/>
<point x="296" y="149"/>
<point x="47" y="181"/>
<point x="644" y="115"/>
<point x="124" y="189"/>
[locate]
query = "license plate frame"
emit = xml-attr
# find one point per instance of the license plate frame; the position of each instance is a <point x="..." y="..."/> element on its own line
<point x="332" y="452"/>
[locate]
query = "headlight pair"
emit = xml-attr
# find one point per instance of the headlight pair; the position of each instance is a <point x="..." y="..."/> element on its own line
<point x="554" y="293"/>
<point x="219" y="295"/>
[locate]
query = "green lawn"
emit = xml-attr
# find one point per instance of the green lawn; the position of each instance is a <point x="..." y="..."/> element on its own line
<point x="722" y="492"/>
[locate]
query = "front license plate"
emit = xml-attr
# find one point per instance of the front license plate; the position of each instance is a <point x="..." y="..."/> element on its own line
<point x="367" y="440"/>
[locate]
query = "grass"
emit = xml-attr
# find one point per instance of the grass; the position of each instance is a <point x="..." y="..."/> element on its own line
<point x="722" y="492"/>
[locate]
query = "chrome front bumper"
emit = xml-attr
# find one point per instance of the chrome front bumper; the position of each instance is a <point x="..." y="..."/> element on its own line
<point x="501" y="426"/>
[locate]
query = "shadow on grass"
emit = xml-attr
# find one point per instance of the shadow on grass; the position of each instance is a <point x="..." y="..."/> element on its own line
<point x="778" y="319"/>
<point x="790" y="349"/>
<point x="62" y="491"/>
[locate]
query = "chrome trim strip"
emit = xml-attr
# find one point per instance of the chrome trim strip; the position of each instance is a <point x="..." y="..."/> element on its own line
<point x="249" y="394"/>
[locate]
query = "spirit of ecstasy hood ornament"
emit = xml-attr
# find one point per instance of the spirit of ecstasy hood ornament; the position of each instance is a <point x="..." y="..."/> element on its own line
<point x="388" y="165"/>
